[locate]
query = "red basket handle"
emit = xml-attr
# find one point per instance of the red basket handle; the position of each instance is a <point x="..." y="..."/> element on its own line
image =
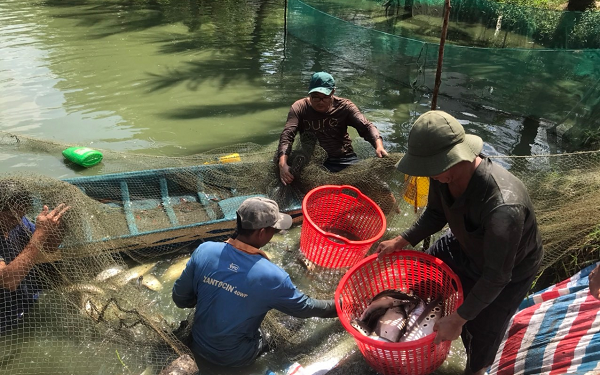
<point x="354" y="192"/>
<point x="336" y="238"/>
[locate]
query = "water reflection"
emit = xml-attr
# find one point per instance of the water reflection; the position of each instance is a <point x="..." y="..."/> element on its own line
<point x="181" y="77"/>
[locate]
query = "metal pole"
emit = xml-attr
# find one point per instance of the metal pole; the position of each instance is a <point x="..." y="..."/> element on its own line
<point x="285" y="11"/>
<point x="438" y="73"/>
<point x="438" y="79"/>
<point x="285" y="6"/>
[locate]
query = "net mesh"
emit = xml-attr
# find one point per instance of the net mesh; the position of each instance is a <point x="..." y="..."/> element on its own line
<point x="97" y="292"/>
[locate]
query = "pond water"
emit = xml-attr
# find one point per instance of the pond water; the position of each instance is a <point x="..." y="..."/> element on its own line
<point x="176" y="78"/>
<point x="179" y="77"/>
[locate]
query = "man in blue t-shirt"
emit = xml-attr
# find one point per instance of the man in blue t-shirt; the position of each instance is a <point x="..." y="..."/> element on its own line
<point x="233" y="285"/>
<point x="21" y="246"/>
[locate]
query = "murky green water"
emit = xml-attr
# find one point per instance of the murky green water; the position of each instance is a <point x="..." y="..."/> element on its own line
<point x="181" y="77"/>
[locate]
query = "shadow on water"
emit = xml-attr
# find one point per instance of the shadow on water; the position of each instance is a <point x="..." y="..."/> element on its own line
<point x="234" y="33"/>
<point x="226" y="70"/>
<point x="232" y="20"/>
<point x="221" y="109"/>
<point x="139" y="17"/>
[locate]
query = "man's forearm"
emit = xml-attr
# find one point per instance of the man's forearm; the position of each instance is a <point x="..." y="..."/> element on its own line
<point x="283" y="160"/>
<point x="13" y="273"/>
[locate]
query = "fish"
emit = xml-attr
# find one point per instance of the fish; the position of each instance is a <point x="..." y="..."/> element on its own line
<point x="175" y="270"/>
<point x="124" y="277"/>
<point x="151" y="282"/>
<point x="392" y="325"/>
<point x="108" y="273"/>
<point x="423" y="325"/>
<point x="414" y="317"/>
<point x="387" y="315"/>
<point x="85" y="289"/>
<point x="386" y="299"/>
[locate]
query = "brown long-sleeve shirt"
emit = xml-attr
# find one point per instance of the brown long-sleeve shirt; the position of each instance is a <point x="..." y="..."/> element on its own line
<point x="331" y="128"/>
<point x="494" y="222"/>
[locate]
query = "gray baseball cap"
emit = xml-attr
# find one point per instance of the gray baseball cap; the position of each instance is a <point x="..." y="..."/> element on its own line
<point x="258" y="212"/>
<point x="436" y="142"/>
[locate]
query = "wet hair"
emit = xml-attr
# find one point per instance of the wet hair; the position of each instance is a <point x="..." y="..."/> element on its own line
<point x="14" y="196"/>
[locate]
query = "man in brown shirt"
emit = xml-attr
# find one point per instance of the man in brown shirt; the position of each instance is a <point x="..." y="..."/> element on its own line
<point x="328" y="117"/>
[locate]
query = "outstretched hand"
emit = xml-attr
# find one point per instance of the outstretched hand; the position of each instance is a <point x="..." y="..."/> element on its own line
<point x="48" y="226"/>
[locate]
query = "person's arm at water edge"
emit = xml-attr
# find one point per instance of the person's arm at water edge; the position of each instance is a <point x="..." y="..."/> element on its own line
<point x="46" y="235"/>
<point x="289" y="300"/>
<point x="366" y="129"/>
<point x="379" y="149"/>
<point x="286" y="140"/>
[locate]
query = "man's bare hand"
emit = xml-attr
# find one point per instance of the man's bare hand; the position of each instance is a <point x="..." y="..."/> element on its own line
<point x="285" y="174"/>
<point x="448" y="328"/>
<point x="389" y="246"/>
<point x="48" y="226"/>
<point x="381" y="152"/>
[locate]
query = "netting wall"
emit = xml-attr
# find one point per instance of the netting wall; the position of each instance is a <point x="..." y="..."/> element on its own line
<point x="96" y="307"/>
<point x="101" y="302"/>
<point x="520" y="60"/>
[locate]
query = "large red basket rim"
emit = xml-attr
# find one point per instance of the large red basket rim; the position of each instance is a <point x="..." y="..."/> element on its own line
<point x="382" y="344"/>
<point x="361" y="196"/>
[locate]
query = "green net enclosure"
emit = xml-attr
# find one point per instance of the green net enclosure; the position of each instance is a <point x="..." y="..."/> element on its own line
<point x="521" y="60"/>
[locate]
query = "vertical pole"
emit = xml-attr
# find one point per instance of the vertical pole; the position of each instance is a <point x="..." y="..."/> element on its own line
<point x="438" y="79"/>
<point x="285" y="5"/>
<point x="438" y="73"/>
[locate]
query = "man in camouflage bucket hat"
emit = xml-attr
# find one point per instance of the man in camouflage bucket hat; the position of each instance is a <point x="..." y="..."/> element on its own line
<point x="493" y="244"/>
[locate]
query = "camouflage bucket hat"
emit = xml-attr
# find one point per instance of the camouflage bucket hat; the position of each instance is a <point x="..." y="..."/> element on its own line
<point x="436" y="142"/>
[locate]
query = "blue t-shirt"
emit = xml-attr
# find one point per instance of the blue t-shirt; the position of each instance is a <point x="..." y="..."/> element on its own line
<point x="14" y="305"/>
<point x="232" y="292"/>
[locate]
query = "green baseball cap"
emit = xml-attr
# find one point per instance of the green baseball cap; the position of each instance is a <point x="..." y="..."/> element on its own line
<point x="436" y="142"/>
<point x="321" y="82"/>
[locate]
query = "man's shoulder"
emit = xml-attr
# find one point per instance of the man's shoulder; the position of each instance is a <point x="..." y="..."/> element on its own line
<point x="343" y="101"/>
<point x="210" y="246"/>
<point x="272" y="270"/>
<point x="502" y="174"/>
<point x="28" y="223"/>
<point x="301" y="103"/>
<point x="510" y="189"/>
<point x="26" y="227"/>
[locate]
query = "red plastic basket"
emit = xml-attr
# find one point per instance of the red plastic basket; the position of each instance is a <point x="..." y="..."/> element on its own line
<point x="340" y="225"/>
<point x="405" y="270"/>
